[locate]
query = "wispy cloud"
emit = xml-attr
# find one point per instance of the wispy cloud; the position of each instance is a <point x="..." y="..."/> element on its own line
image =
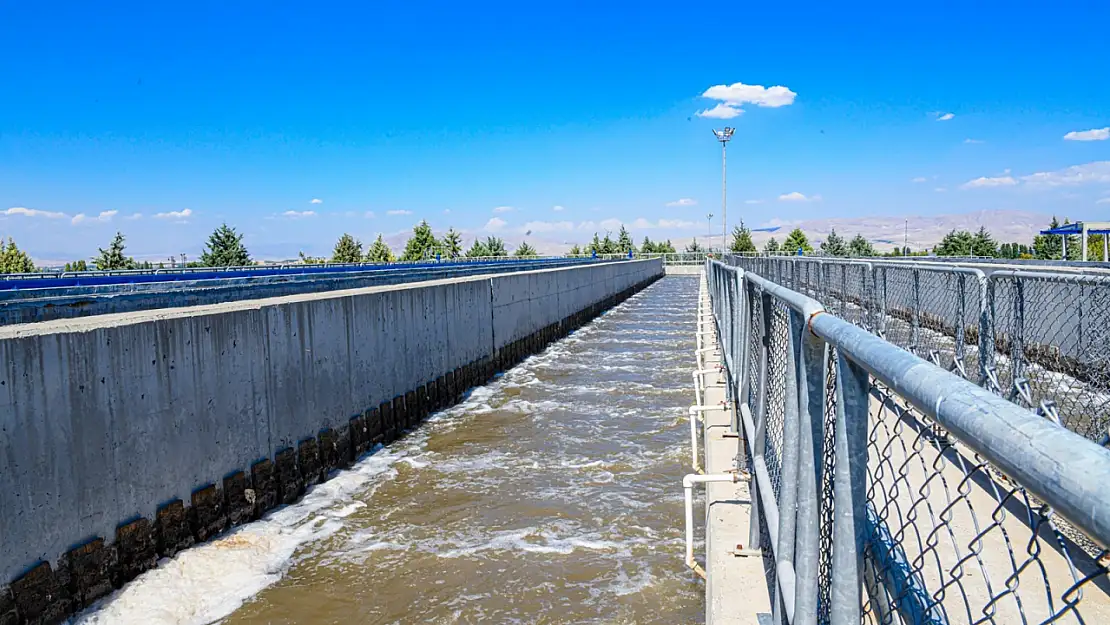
<point x="919" y="179"/>
<point x="398" y="212"/>
<point x="33" y="212"/>
<point x="683" y="202"/>
<point x="298" y="214"/>
<point x="134" y="216"/>
<point x="557" y="208"/>
<point x="794" y="196"/>
<point x="1095" y="134"/>
<point x="984" y="182"/>
<point x="732" y="97"/>
<point x="504" y="209"/>
<point x="495" y="224"/>
<point x="447" y="211"/>
<point x="753" y="201"/>
<point x="940" y="189"/>
<point x="1105" y="200"/>
<point x="943" y="117"/>
<point x="548" y="226"/>
<point x="974" y="141"/>
<point x="369" y="215"/>
<point x="1088" y="173"/>
<point x="180" y="215"/>
<point x="316" y="200"/>
<point x="102" y="217"/>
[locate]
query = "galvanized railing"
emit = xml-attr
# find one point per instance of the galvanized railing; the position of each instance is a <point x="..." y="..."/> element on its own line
<point x="1040" y="339"/>
<point x="888" y="489"/>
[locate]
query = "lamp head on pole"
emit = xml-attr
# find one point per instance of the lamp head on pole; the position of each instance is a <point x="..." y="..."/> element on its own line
<point x="724" y="135"/>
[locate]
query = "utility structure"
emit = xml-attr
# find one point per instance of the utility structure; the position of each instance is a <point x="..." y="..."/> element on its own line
<point x="709" y="233"/>
<point x="724" y="136"/>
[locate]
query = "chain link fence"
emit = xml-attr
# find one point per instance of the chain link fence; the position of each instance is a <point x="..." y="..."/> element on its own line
<point x="891" y="491"/>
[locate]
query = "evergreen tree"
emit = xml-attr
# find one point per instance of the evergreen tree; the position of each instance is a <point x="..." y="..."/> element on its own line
<point x="477" y="250"/>
<point x="113" y="258"/>
<point x="225" y="249"/>
<point x="771" y="246"/>
<point x="304" y="258"/>
<point x="693" y="247"/>
<point x="422" y="244"/>
<point x="347" y="250"/>
<point x="983" y="244"/>
<point x="742" y="240"/>
<point x="608" y="245"/>
<point x="495" y="247"/>
<point x="379" y="252"/>
<point x="956" y="243"/>
<point x="624" y="241"/>
<point x="1094" y="246"/>
<point x="797" y="240"/>
<point x="452" y="244"/>
<point x="647" y="247"/>
<point x="1047" y="246"/>
<point x="595" y="246"/>
<point x="13" y="259"/>
<point x="525" y="250"/>
<point x="665" y="248"/>
<point x="574" y="251"/>
<point x="860" y="247"/>
<point x="1075" y="244"/>
<point x="834" y="244"/>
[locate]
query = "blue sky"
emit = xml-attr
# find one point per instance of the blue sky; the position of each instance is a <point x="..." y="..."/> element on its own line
<point x="487" y="116"/>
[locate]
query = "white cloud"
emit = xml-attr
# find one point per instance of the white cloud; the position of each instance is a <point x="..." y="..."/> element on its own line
<point x="134" y="216"/>
<point x="974" y="141"/>
<point x="677" y="224"/>
<point x="33" y="212"/>
<point x="495" y="224"/>
<point x="298" y="214"/>
<point x="1095" y="134"/>
<point x="369" y="215"/>
<point x="557" y="209"/>
<point x="316" y="201"/>
<point x="103" y="216"/>
<point x="1105" y="200"/>
<point x="587" y="225"/>
<point x="447" y="211"/>
<point x="398" y="212"/>
<point x="919" y="179"/>
<point x="779" y="223"/>
<point x="177" y="215"/>
<point x="683" y="202"/>
<point x="985" y="183"/>
<point x="662" y="224"/>
<point x="504" y="209"/>
<point x="794" y="196"/>
<point x="611" y="224"/>
<point x="943" y="117"/>
<point x="940" y="189"/>
<point x="721" y="111"/>
<point x="548" y="226"/>
<point x="753" y="201"/>
<point x="1096" y="172"/>
<point x="738" y="94"/>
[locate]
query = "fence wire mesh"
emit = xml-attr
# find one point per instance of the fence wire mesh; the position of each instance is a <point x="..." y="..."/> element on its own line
<point x="947" y="537"/>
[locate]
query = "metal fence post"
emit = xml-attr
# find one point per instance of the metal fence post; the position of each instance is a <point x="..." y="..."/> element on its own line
<point x="961" y="320"/>
<point x="1017" y="338"/>
<point x="788" y="485"/>
<point x="849" y="496"/>
<point x="987" y="324"/>
<point x="915" y="331"/>
<point x="811" y="354"/>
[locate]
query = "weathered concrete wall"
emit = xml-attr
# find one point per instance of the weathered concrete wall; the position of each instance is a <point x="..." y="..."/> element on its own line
<point x="130" y="436"/>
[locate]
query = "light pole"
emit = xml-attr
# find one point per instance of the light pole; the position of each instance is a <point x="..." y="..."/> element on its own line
<point x="709" y="232"/>
<point x="723" y="136"/>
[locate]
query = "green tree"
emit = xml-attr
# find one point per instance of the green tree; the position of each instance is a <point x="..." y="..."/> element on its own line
<point x="694" y="247"/>
<point x="742" y="240"/>
<point x="595" y="246"/>
<point x="834" y="244"/>
<point x="608" y="245"/>
<point x="1047" y="246"/>
<point x="306" y="259"/>
<point x="665" y="248"/>
<point x="422" y="244"/>
<point x="347" y="250"/>
<point x="1094" y="246"/>
<point x="225" y="249"/>
<point x="797" y="240"/>
<point x="379" y="252"/>
<point x="956" y="243"/>
<point x="13" y="259"/>
<point x="983" y="244"/>
<point x="574" y="251"/>
<point x="647" y="247"/>
<point x="860" y="247"/>
<point x="495" y="247"/>
<point x="477" y="250"/>
<point x="113" y="258"/>
<point x="452" y="244"/>
<point x="771" y="246"/>
<point x="525" y="250"/>
<point x="624" y="241"/>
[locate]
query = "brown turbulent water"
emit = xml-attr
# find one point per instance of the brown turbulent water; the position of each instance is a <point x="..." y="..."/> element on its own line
<point x="551" y="495"/>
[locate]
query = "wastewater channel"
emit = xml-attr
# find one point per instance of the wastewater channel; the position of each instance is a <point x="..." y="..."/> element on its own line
<point x="551" y="495"/>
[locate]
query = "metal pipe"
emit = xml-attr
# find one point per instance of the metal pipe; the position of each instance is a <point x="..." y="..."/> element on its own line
<point x="688" y="483"/>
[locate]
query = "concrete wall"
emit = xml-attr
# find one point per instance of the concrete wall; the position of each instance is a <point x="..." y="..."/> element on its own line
<point x="150" y="427"/>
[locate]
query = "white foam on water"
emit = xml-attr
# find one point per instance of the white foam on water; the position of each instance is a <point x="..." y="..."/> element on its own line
<point x="208" y="582"/>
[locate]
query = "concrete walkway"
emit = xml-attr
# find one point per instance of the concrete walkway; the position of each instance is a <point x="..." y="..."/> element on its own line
<point x="736" y="585"/>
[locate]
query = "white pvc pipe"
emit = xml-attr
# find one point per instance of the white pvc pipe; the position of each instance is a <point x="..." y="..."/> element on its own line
<point x="688" y="483"/>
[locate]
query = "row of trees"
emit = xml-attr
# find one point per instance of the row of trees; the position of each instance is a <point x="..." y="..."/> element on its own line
<point x="422" y="245"/>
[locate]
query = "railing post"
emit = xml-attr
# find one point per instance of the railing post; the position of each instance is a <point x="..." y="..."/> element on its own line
<point x="986" y="329"/>
<point x="811" y="354"/>
<point x="915" y="331"/>
<point x="849" y="496"/>
<point x="1017" y="338"/>
<point x="788" y="485"/>
<point x="961" y="318"/>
